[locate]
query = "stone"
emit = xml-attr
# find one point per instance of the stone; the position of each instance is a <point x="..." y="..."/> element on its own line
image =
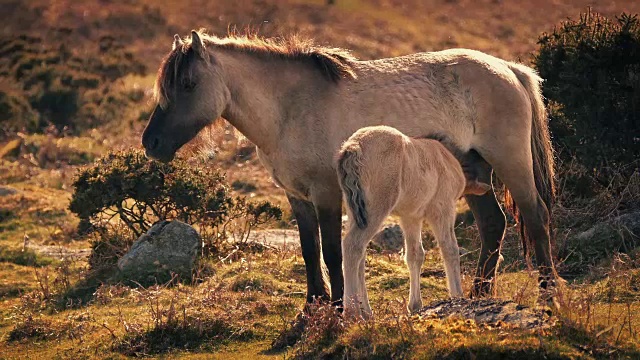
<point x="168" y="247"/>
<point x="11" y="149"/>
<point x="7" y="191"/>
<point x="493" y="312"/>
<point x="389" y="238"/>
<point x="619" y="234"/>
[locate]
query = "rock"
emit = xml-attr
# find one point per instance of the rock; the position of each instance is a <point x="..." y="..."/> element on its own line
<point x="617" y="235"/>
<point x="11" y="149"/>
<point x="168" y="247"/>
<point x="6" y="191"/>
<point x="492" y="312"/>
<point x="390" y="238"/>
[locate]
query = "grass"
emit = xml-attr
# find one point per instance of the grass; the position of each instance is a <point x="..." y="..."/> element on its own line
<point x="246" y="304"/>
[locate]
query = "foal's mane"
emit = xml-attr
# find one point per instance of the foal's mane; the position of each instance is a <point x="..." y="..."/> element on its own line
<point x="334" y="63"/>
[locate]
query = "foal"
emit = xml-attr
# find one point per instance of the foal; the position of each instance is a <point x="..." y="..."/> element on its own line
<point x="382" y="171"/>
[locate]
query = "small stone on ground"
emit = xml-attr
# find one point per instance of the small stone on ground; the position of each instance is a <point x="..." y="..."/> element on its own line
<point x="488" y="311"/>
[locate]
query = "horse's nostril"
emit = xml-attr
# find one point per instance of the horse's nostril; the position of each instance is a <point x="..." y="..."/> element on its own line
<point x="154" y="143"/>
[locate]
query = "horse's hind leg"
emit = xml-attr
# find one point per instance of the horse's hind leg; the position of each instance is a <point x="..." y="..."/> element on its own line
<point x="491" y="223"/>
<point x="516" y="171"/>
<point x="414" y="257"/>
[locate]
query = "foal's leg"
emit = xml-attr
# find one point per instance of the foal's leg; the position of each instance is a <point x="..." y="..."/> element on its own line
<point x="329" y="209"/>
<point x="305" y="215"/>
<point x="442" y="224"/>
<point x="354" y="246"/>
<point x="362" y="291"/>
<point x="414" y="257"/>
<point x="491" y="223"/>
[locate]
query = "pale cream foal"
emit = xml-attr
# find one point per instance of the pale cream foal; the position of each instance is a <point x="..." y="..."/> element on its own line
<point x="382" y="171"/>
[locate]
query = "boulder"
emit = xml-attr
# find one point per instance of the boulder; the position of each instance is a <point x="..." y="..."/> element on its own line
<point x="389" y="238"/>
<point x="620" y="234"/>
<point x="168" y="247"/>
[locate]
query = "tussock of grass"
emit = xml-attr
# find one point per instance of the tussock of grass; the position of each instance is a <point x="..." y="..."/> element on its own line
<point x="32" y="329"/>
<point x="253" y="282"/>
<point x="188" y="333"/>
<point x="25" y="257"/>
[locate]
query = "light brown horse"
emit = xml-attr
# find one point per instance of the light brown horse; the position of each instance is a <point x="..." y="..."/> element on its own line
<point x="298" y="103"/>
<point x="382" y="171"/>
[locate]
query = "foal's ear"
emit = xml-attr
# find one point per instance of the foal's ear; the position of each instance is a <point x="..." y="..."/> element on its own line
<point x="196" y="44"/>
<point x="177" y="41"/>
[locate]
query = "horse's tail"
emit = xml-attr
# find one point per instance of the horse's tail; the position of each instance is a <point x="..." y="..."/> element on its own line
<point x="349" y="165"/>
<point x="543" y="157"/>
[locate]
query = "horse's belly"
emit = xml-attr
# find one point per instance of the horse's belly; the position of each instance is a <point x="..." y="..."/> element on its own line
<point x="285" y="177"/>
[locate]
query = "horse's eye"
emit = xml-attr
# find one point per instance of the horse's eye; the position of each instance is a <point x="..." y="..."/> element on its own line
<point x="188" y="85"/>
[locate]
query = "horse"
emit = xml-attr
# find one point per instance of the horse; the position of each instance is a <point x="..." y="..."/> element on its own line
<point x="298" y="102"/>
<point x="382" y="171"/>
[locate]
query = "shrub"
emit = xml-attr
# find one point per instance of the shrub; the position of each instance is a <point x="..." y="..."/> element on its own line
<point x="591" y="69"/>
<point x="127" y="185"/>
<point x="139" y="192"/>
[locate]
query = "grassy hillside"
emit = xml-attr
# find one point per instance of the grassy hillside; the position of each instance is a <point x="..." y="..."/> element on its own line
<point x="236" y="308"/>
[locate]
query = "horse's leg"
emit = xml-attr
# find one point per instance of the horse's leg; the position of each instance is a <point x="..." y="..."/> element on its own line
<point x="491" y="223"/>
<point x="305" y="215"/>
<point x="442" y="222"/>
<point x="354" y="246"/>
<point x="362" y="291"/>
<point x="329" y="209"/>
<point x="414" y="257"/>
<point x="516" y="171"/>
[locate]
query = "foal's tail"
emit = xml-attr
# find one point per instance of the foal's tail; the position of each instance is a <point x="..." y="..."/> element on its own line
<point x="543" y="163"/>
<point x="349" y="164"/>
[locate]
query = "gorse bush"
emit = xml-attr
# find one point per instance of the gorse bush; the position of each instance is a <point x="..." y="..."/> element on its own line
<point x="137" y="192"/>
<point x="140" y="192"/>
<point x="591" y="68"/>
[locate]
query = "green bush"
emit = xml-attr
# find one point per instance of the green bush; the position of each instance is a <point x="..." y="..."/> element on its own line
<point x="137" y="192"/>
<point x="591" y="69"/>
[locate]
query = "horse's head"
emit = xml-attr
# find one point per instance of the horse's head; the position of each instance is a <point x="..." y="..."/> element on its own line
<point x="190" y="94"/>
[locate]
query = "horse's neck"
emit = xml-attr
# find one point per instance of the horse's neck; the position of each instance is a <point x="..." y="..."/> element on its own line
<point x="261" y="88"/>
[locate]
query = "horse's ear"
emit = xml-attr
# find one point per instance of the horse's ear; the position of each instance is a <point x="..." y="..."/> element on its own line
<point x="196" y="44"/>
<point x="177" y="41"/>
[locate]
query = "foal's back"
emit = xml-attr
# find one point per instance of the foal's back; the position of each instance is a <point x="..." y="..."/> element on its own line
<point x="411" y="172"/>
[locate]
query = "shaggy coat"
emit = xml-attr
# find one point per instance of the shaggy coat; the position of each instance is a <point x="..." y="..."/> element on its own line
<point x="298" y="103"/>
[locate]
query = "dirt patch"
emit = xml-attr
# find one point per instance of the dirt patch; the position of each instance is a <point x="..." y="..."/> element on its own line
<point x="490" y="312"/>
<point x="60" y="252"/>
<point x="284" y="239"/>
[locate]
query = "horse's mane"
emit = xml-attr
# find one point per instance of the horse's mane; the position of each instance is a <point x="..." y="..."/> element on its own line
<point x="334" y="63"/>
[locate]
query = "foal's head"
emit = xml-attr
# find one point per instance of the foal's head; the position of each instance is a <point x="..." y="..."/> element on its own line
<point x="190" y="94"/>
